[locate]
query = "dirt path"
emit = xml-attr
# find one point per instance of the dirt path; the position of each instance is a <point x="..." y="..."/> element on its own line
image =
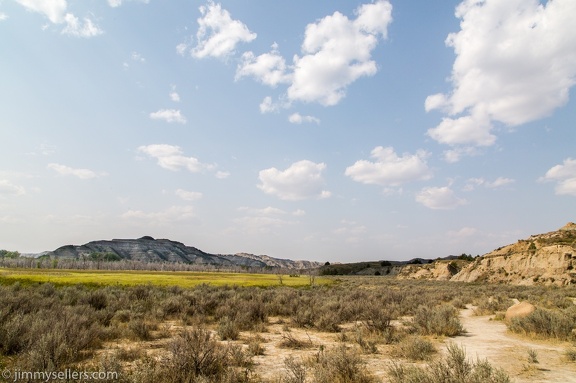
<point x="490" y="340"/>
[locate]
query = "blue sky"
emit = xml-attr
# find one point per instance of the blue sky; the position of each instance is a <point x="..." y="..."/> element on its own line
<point x="330" y="131"/>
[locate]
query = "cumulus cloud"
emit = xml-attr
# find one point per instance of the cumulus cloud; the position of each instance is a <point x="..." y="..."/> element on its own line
<point x="439" y="198"/>
<point x="565" y="177"/>
<point x="171" y="214"/>
<point x="268" y="68"/>
<point x="336" y="52"/>
<point x="83" y="174"/>
<point x="169" y="115"/>
<point x="188" y="195"/>
<point x="171" y="157"/>
<point x="515" y="63"/>
<point x="8" y="188"/>
<point x="218" y="34"/>
<point x="389" y="169"/>
<point x="302" y="180"/>
<point x="55" y="11"/>
<point x="297" y="118"/>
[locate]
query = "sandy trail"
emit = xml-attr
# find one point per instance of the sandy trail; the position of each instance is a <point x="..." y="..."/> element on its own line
<point x="488" y="339"/>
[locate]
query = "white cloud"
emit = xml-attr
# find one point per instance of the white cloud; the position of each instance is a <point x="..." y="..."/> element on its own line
<point x="456" y="153"/>
<point x="515" y="63"/>
<point x="77" y="29"/>
<point x="474" y="129"/>
<point x="439" y="198"/>
<point x="169" y="115"/>
<point x="54" y="10"/>
<point x="389" y="169"/>
<point x="297" y="118"/>
<point x="170" y="157"/>
<point x="472" y="183"/>
<point x="80" y="173"/>
<point x="135" y="56"/>
<point x="3" y="16"/>
<point x="171" y="214"/>
<point x="222" y="174"/>
<point x="8" y="188"/>
<point x="174" y="96"/>
<point x="188" y="195"/>
<point x="268" y="68"/>
<point x="565" y="177"/>
<point x="181" y="48"/>
<point x="302" y="180"/>
<point x="337" y="51"/>
<point x="268" y="106"/>
<point x="463" y="232"/>
<point x="117" y="3"/>
<point x="218" y="34"/>
<point x="499" y="182"/>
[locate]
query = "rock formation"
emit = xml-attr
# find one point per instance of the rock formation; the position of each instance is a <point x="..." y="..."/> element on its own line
<point x="148" y="249"/>
<point x="548" y="258"/>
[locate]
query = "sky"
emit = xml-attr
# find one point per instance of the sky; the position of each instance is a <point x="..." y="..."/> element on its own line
<point x="337" y="131"/>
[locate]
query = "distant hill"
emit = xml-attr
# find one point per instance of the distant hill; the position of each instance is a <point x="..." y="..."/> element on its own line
<point x="148" y="249"/>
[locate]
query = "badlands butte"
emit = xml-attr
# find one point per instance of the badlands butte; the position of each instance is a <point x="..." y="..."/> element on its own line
<point x="541" y="259"/>
<point x="548" y="259"/>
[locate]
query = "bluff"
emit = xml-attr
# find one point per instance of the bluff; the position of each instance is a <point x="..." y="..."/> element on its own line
<point x="548" y="258"/>
<point x="148" y="249"/>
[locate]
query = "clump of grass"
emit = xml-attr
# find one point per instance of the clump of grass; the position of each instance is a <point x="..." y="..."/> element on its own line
<point x="290" y="341"/>
<point x="453" y="368"/>
<point x="339" y="365"/>
<point x="533" y="356"/>
<point x="438" y="320"/>
<point x="363" y="339"/>
<point x="296" y="371"/>
<point x="414" y="348"/>
<point x="570" y="354"/>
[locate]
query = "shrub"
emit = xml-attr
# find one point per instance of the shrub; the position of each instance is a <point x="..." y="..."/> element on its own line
<point x="140" y="329"/>
<point x="570" y="354"/>
<point x="438" y="320"/>
<point x="453" y="368"/>
<point x="544" y="323"/>
<point x="296" y="371"/>
<point x="290" y="341"/>
<point x="97" y="300"/>
<point x="339" y="365"/>
<point x="228" y="329"/>
<point x="414" y="348"/>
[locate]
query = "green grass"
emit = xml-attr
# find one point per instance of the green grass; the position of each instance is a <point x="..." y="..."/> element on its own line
<point x="157" y="278"/>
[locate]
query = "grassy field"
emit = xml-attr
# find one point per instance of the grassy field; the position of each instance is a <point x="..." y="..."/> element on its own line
<point x="157" y="278"/>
